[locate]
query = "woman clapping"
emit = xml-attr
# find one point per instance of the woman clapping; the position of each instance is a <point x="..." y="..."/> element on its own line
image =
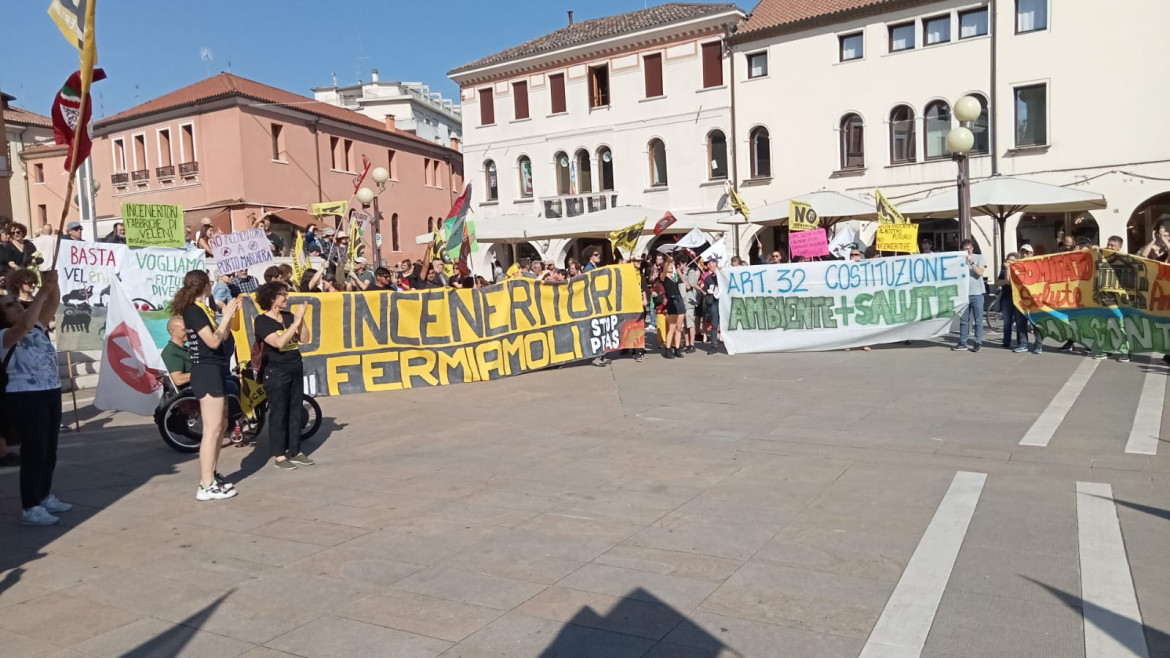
<point x="280" y="335"/>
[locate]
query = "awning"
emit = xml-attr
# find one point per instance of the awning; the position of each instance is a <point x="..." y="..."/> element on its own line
<point x="826" y="204"/>
<point x="1001" y="196"/>
<point x="295" y="216"/>
<point x="601" y="224"/>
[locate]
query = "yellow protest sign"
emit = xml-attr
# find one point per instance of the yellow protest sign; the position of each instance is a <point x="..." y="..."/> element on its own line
<point x="329" y="208"/>
<point x="627" y="237"/>
<point x="901" y="238"/>
<point x="801" y="216"/>
<point x="887" y="213"/>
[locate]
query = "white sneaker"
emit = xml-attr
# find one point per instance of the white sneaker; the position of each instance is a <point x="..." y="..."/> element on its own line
<point x="213" y="492"/>
<point x="37" y="516"/>
<point x="54" y="506"/>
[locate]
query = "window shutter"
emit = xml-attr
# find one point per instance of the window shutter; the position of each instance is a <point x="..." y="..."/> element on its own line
<point x="520" y="94"/>
<point x="487" y="108"/>
<point x="653" y="64"/>
<point x="712" y="64"/>
<point x="557" y="82"/>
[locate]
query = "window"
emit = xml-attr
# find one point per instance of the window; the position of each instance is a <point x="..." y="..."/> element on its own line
<point x="493" y="189"/>
<point x="347" y="155"/>
<point x="43" y="214"/>
<point x="487" y="108"/>
<point x="713" y="64"/>
<point x="277" y="141"/>
<point x="657" y="163"/>
<point x="520" y="99"/>
<point x="599" y="86"/>
<point x="556" y="85"/>
<point x="852" y="46"/>
<point x="937" y="121"/>
<point x="584" y="173"/>
<point x="395" y="245"/>
<point x="605" y="164"/>
<point x="973" y="23"/>
<point x="335" y="153"/>
<point x="165" y="157"/>
<point x="903" y="145"/>
<point x="760" y="152"/>
<point x="757" y="64"/>
<point x="1031" y="15"/>
<point x="652" y="67"/>
<point x="119" y="156"/>
<point x="982" y="128"/>
<point x="1031" y="115"/>
<point x="428" y="181"/>
<point x="438" y="181"/>
<point x="717" y="155"/>
<point x="525" y="166"/>
<point x="852" y="142"/>
<point x="187" y="142"/>
<point x="901" y="37"/>
<point x="563" y="179"/>
<point x="430" y="224"/>
<point x="392" y="164"/>
<point x="38" y="173"/>
<point x="936" y="30"/>
<point x="139" y="152"/>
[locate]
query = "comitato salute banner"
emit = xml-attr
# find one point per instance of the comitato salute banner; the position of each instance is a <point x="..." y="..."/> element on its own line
<point x="381" y="341"/>
<point x="1105" y="300"/>
<point x="831" y="305"/>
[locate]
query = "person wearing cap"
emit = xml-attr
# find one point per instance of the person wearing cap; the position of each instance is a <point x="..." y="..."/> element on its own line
<point x="72" y="231"/>
<point x="361" y="278"/>
<point x="1026" y="251"/>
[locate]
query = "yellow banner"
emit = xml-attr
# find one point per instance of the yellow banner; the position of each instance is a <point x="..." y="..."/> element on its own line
<point x="381" y="341"/>
<point x="329" y="208"/>
<point x="887" y="213"/>
<point x="801" y="216"/>
<point x="902" y="238"/>
<point x="627" y="238"/>
<point x="298" y="264"/>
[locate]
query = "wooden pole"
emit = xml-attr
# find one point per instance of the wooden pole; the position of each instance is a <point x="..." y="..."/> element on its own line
<point x="73" y="391"/>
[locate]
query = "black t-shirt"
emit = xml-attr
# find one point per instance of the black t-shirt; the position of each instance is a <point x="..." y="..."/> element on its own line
<point x="287" y="357"/>
<point x="196" y="317"/>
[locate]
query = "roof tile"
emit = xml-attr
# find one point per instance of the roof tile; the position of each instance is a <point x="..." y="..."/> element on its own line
<point x="17" y="116"/>
<point x="773" y="13"/>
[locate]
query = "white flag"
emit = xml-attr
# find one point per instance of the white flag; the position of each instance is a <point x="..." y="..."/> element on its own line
<point x="718" y="250"/>
<point x="131" y="365"/>
<point x="691" y="240"/>
<point x="844" y="239"/>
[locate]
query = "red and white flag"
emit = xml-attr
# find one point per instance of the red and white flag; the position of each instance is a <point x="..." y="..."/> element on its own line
<point x="131" y="365"/>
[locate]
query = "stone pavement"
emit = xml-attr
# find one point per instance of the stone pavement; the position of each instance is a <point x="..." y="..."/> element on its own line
<point x="831" y="504"/>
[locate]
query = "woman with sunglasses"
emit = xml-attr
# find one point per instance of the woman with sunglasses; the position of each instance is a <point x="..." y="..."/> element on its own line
<point x="19" y="253"/>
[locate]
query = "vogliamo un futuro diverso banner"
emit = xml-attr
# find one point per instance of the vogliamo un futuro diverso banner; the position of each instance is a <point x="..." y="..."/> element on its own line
<point x="832" y="305"/>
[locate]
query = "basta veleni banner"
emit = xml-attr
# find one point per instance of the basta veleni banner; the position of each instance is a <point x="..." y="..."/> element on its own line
<point x="382" y="341"/>
<point x="1105" y="300"/>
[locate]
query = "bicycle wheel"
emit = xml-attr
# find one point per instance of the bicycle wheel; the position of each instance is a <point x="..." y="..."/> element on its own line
<point x="310" y="418"/>
<point x="180" y="424"/>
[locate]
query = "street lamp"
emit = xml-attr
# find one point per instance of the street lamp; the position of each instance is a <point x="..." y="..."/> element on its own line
<point x="960" y="141"/>
<point x="367" y="196"/>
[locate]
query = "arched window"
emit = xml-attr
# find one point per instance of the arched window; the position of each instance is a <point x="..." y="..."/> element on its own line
<point x="903" y="145"/>
<point x="584" y="172"/>
<point x="937" y="119"/>
<point x="492" y="183"/>
<point x="716" y="155"/>
<point x="761" y="152"/>
<point x="982" y="128"/>
<point x="605" y="165"/>
<point x="525" y="166"/>
<point x="657" y="163"/>
<point x="561" y="161"/>
<point x="852" y="142"/>
<point x="394" y="244"/>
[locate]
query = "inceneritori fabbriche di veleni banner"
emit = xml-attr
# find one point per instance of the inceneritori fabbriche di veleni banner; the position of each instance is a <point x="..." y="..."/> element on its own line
<point x="1107" y="301"/>
<point x="381" y="341"/>
<point x="830" y="305"/>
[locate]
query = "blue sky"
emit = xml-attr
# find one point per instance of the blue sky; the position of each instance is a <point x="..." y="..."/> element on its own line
<point x="150" y="47"/>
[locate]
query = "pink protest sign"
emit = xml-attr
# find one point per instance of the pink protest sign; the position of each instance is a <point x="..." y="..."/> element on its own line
<point x="809" y="244"/>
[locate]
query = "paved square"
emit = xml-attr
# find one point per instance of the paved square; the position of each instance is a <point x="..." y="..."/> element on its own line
<point x="901" y="502"/>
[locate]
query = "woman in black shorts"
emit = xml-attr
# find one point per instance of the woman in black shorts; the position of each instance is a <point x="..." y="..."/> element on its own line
<point x="673" y="284"/>
<point x="208" y="343"/>
<point x="281" y="334"/>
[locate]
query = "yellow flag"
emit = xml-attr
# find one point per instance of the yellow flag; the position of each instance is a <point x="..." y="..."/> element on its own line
<point x="737" y="203"/>
<point x="801" y="216"/>
<point x="329" y="208"/>
<point x="88" y="52"/>
<point x="298" y="264"/>
<point x="627" y="237"/>
<point x="355" y="241"/>
<point x="70" y="19"/>
<point x="887" y="213"/>
<point x="252" y="394"/>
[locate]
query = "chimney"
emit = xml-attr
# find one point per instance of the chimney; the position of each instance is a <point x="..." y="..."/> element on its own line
<point x="334" y="79"/>
<point x="390" y="123"/>
<point x="570" y="17"/>
<point x="374" y="75"/>
<point x="454" y="143"/>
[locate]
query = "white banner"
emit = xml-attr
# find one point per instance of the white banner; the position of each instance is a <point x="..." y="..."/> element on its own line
<point x="241" y="250"/>
<point x="131" y="364"/>
<point x="831" y="305"/>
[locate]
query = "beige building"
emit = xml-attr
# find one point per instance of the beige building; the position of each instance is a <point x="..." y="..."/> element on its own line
<point x="851" y="95"/>
<point x="24" y="130"/>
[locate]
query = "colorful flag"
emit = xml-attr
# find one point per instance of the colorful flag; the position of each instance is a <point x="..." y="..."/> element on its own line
<point x="661" y="225"/>
<point x="737" y="203"/>
<point x="68" y="116"/>
<point x="129" y="379"/>
<point x="456" y="217"/>
<point x="627" y="237"/>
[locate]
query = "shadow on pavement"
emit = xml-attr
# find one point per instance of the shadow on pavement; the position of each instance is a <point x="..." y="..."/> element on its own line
<point x="627" y="624"/>
<point x="172" y="641"/>
<point x="1111" y="621"/>
<point x="1148" y="509"/>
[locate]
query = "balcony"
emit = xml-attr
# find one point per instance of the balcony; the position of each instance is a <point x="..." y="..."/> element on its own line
<point x="140" y="177"/>
<point x="188" y="169"/>
<point x="120" y="179"/>
<point x="165" y="173"/>
<point x="577" y="204"/>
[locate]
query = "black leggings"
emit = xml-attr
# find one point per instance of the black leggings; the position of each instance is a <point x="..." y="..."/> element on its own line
<point x="35" y="417"/>
<point x="286" y="390"/>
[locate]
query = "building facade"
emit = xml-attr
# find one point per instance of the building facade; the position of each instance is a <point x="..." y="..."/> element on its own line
<point x="235" y="150"/>
<point x="627" y="110"/>
<point x="853" y="95"/>
<point x="415" y="108"/>
<point x="24" y="130"/>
